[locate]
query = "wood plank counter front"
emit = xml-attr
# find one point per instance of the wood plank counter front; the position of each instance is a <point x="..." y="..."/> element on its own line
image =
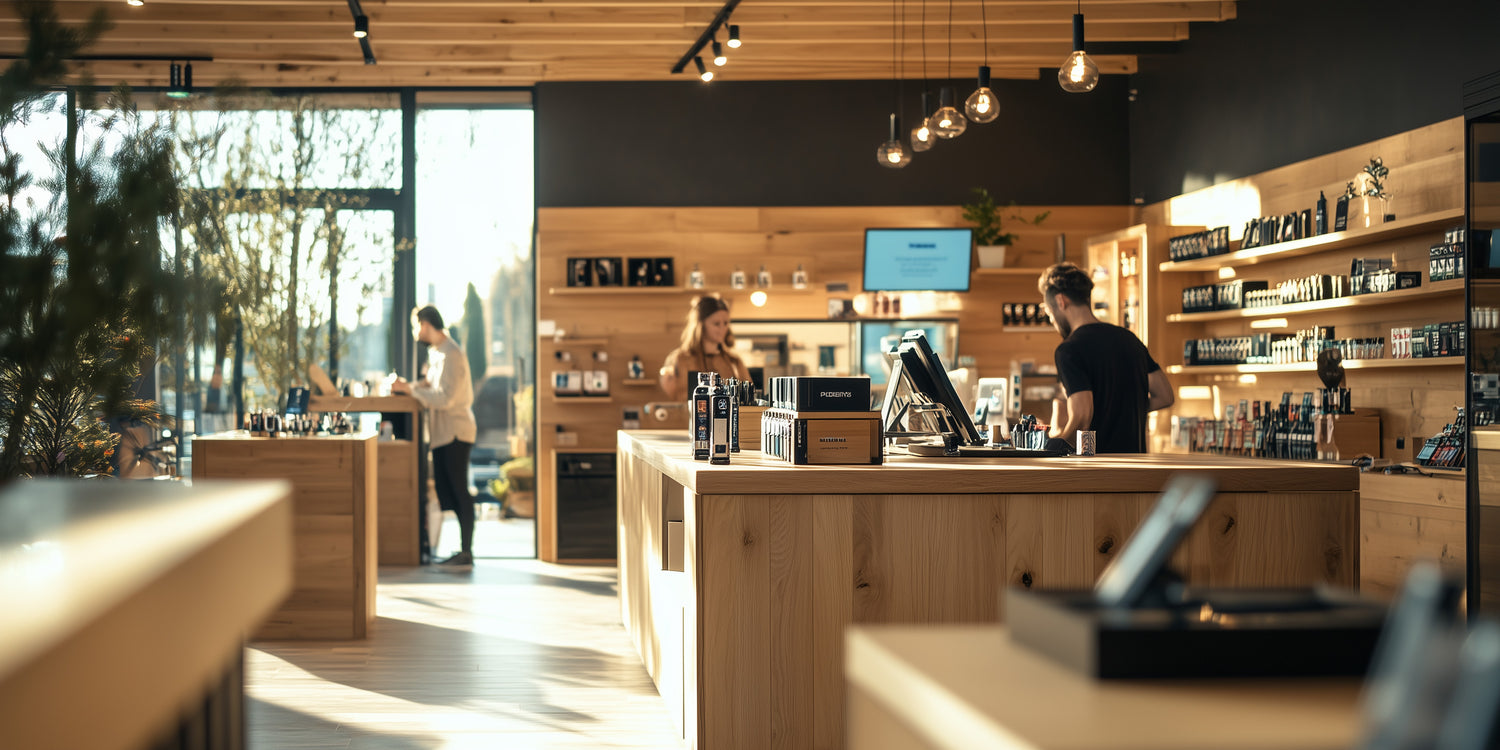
<point x="334" y="500"/>
<point x="736" y="582"/>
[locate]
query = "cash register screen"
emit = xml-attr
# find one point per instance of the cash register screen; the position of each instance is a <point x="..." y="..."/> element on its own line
<point x="923" y="373"/>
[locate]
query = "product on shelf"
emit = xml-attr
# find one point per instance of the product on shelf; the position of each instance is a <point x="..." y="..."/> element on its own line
<point x="1024" y="314"/>
<point x="1446" y="449"/>
<point x="1446" y="260"/>
<point x="1199" y="244"/>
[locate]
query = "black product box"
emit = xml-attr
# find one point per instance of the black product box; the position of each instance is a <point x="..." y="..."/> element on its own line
<point x="1445" y="339"/>
<point x="1216" y="633"/>
<point x="640" y="272"/>
<point x="1408" y="279"/>
<point x="1198" y="299"/>
<point x="1190" y="352"/>
<point x="814" y="393"/>
<point x="1230" y="295"/>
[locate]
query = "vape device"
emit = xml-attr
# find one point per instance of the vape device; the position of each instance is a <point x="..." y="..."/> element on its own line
<point x="734" y="415"/>
<point x="701" y="424"/>
<point x="1322" y="218"/>
<point x="719" y="429"/>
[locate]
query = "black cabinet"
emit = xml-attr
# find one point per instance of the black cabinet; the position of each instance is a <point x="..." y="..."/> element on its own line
<point x="586" y="521"/>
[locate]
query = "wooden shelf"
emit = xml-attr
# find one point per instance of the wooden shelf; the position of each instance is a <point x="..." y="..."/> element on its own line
<point x="1028" y="329"/>
<point x="1321" y="243"/>
<point x="1010" y="271"/>
<point x="1433" y="289"/>
<point x="583" y="291"/>
<point x="635" y="383"/>
<point x="1349" y="364"/>
<point x="582" y="399"/>
<point x="576" y="342"/>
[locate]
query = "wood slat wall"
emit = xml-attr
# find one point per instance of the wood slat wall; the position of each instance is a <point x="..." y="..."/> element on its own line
<point x="827" y="241"/>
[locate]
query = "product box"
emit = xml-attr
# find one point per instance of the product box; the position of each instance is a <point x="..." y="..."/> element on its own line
<point x="821" y="393"/>
<point x="1230" y="295"/>
<point x="596" y="383"/>
<point x="567" y="382"/>
<point x="826" y="438"/>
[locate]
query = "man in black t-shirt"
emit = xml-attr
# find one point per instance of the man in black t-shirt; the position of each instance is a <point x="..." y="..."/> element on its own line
<point x="1110" y="379"/>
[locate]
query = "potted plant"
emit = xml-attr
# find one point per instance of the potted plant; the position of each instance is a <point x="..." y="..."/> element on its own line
<point x="990" y="237"/>
<point x="516" y="488"/>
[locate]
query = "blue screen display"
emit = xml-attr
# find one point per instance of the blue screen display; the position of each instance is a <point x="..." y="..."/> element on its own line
<point x="917" y="260"/>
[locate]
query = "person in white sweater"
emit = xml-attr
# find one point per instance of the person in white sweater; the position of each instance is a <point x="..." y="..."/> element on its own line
<point x="447" y="391"/>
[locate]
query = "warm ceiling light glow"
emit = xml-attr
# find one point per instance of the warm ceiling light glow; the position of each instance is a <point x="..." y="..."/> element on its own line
<point x="1269" y="323"/>
<point x="1247" y="379"/>
<point x="734" y="36"/>
<point x="1078" y="74"/>
<point x="719" y="58"/>
<point x="135" y="3"/>
<point x="361" y="27"/>
<point x="758" y="299"/>
<point x="1226" y="272"/>
<point x="1194" y="392"/>
<point x="703" y="72"/>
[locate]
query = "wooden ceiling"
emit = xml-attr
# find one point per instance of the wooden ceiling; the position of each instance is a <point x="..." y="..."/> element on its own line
<point x="521" y="42"/>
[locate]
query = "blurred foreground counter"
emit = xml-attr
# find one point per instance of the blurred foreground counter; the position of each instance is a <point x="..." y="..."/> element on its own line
<point x="127" y="605"/>
<point x="972" y="687"/>
<point x="334" y="500"/>
<point x="736" y="582"/>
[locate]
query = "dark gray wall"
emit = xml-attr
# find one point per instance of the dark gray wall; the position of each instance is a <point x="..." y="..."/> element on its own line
<point x="813" y="144"/>
<point x="1292" y="79"/>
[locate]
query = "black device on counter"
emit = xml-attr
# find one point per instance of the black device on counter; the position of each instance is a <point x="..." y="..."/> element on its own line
<point x="821" y="393"/>
<point x="1142" y="621"/>
<point x="296" y="401"/>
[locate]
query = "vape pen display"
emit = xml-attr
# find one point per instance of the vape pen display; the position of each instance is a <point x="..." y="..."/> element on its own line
<point x="701" y="425"/>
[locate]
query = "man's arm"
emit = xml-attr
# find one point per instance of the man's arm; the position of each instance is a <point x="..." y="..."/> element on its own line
<point x="1159" y="391"/>
<point x="1080" y="415"/>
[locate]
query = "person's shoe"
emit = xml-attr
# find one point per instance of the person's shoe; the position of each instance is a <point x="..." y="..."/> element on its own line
<point x="458" y="563"/>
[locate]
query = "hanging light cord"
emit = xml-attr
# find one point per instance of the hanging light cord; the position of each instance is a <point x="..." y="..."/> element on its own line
<point x="950" y="38"/>
<point x="984" y="28"/>
<point x="924" y="47"/>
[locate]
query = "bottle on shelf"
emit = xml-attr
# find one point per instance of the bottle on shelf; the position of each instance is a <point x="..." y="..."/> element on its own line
<point x="799" y="278"/>
<point x="763" y="279"/>
<point x="737" y="279"/>
<point x="695" y="279"/>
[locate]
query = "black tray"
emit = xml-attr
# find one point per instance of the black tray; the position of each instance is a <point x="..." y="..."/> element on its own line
<point x="1219" y="633"/>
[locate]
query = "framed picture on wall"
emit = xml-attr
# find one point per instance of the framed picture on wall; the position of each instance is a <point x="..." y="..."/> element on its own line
<point x="639" y="271"/>
<point x="580" y="272"/>
<point x="608" y="272"/>
<point x="662" y="273"/>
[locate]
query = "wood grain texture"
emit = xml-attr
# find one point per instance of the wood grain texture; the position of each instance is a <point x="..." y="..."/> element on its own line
<point x="827" y="241"/>
<point x="962" y="687"/>
<point x="782" y="575"/>
<point x="335" y="501"/>
<point x="398" y="535"/>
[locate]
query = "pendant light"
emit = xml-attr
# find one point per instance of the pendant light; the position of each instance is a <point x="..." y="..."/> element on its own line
<point x="719" y="58"/>
<point x="892" y="154"/>
<point x="1078" y="74"/>
<point x="703" y="73"/>
<point x="948" y="123"/>
<point x="921" y="135"/>
<point x="983" y="106"/>
<point x="734" y="36"/>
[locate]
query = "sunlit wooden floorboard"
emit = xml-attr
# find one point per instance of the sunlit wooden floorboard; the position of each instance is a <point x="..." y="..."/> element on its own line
<point x="517" y="655"/>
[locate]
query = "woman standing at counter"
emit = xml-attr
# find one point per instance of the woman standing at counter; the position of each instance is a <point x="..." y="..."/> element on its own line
<point x="707" y="346"/>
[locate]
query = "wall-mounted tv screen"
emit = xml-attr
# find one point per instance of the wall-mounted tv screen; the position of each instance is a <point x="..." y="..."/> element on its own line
<point x="917" y="260"/>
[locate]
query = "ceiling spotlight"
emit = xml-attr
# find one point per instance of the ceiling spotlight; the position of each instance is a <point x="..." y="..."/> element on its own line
<point x="734" y="36"/>
<point x="180" y="81"/>
<point x="704" y="73"/>
<point x="135" y="3"/>
<point x="719" y="58"/>
<point x="361" y="27"/>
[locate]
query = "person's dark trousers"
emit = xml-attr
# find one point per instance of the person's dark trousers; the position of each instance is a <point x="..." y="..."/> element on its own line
<point x="450" y="469"/>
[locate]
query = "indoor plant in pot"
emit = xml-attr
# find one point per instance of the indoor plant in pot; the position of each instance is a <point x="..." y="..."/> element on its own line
<point x="990" y="237"/>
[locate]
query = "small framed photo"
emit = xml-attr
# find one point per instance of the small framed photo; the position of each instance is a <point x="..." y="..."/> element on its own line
<point x="608" y="272"/>
<point x="662" y="273"/>
<point x="580" y="272"/>
<point x="639" y="272"/>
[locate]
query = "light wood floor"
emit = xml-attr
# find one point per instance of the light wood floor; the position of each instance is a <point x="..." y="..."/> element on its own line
<point x="518" y="655"/>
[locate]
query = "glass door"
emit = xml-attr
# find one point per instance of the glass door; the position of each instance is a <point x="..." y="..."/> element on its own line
<point x="1482" y="104"/>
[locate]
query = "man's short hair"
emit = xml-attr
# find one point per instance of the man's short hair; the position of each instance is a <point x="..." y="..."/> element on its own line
<point x="1068" y="280"/>
<point x="430" y="315"/>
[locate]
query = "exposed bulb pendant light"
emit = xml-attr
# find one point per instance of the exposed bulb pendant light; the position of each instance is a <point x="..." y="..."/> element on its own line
<point x="703" y="72"/>
<point x="947" y="123"/>
<point x="1078" y="74"/>
<point x="983" y="106"/>
<point x="891" y="153"/>
<point x="719" y="58"/>
<point x="921" y="135"/>
<point x="734" y="36"/>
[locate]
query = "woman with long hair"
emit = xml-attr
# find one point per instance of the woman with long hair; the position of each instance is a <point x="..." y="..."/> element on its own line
<point x="707" y="346"/>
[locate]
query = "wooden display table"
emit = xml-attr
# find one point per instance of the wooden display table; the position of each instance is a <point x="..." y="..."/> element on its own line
<point x="398" y="475"/>
<point x="736" y="582"/>
<point x="127" y="602"/>
<point x="334" y="497"/>
<point x="971" y="687"/>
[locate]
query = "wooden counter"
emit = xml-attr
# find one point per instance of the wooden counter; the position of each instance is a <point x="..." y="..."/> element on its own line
<point x="126" y="601"/>
<point x="971" y="688"/>
<point x="736" y="582"/>
<point x="398" y="475"/>
<point x="334" y="500"/>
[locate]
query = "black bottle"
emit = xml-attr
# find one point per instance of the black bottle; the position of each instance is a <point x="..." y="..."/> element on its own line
<point x="701" y="425"/>
<point x="1322" y="219"/>
<point x="734" y="391"/>
<point x="719" y="429"/>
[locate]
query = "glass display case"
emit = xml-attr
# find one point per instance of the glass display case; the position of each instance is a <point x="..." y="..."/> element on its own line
<point x="1482" y="182"/>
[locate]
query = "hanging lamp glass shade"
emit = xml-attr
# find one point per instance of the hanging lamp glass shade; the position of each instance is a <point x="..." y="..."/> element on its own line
<point x="1078" y="74"/>
<point x="921" y="135"/>
<point x="982" y="106"/>
<point x="892" y="154"/>
<point x="947" y="122"/>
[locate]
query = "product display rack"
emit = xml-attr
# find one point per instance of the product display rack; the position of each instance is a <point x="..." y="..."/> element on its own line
<point x="584" y="291"/>
<point x="1349" y="364"/>
<point x="1430" y="290"/>
<point x="1429" y="222"/>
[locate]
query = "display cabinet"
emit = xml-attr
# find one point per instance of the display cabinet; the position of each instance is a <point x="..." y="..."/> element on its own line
<point x="1482" y="179"/>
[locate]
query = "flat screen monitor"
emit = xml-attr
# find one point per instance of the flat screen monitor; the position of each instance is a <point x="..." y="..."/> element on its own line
<point x="917" y="260"/>
<point x="1127" y="578"/>
<point x="927" y="380"/>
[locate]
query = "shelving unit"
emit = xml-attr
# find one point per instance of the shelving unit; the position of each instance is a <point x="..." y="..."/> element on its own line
<point x="1432" y="290"/>
<point x="637" y="383"/>
<point x="1349" y="364"/>
<point x="585" y="291"/>
<point x="1319" y="244"/>
<point x="578" y="342"/>
<point x="582" y="399"/>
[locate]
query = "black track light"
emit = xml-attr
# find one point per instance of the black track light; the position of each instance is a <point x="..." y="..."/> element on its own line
<point x="734" y="36"/>
<point x="719" y="58"/>
<point x="179" y="81"/>
<point x="361" y="27"/>
<point x="703" y="72"/>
